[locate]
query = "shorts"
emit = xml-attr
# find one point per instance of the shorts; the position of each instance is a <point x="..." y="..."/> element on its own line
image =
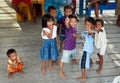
<point x="62" y="37"/>
<point x="67" y="54"/>
<point x="85" y="61"/>
<point x="16" y="2"/>
<point x="101" y="51"/>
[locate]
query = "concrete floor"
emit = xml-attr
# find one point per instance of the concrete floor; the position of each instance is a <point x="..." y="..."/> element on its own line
<point x="25" y="38"/>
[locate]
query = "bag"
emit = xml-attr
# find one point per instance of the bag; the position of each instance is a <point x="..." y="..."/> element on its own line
<point x="103" y="2"/>
<point x="118" y="21"/>
<point x="62" y="2"/>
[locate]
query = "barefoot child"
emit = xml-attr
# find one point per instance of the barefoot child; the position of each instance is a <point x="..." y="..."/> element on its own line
<point x="69" y="48"/>
<point x="48" y="51"/>
<point x="67" y="11"/>
<point x="87" y="36"/>
<point x="15" y="64"/>
<point x="100" y="42"/>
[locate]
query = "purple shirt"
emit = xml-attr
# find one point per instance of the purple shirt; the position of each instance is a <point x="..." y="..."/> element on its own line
<point x="70" y="41"/>
<point x="62" y="21"/>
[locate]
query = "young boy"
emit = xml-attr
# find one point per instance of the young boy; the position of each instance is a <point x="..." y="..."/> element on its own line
<point x="67" y="11"/>
<point x="15" y="4"/>
<point x="100" y="42"/>
<point x="87" y="36"/>
<point x="14" y="63"/>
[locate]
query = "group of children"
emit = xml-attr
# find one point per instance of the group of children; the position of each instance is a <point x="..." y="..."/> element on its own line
<point x="65" y="30"/>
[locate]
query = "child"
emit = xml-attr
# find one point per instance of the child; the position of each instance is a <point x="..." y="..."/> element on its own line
<point x="15" y="64"/>
<point x="48" y="51"/>
<point x="88" y="46"/>
<point x="100" y="42"/>
<point x="15" y="4"/>
<point x="52" y="11"/>
<point x="69" y="43"/>
<point x="67" y="12"/>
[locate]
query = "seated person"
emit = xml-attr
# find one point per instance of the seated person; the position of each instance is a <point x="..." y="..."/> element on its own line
<point x="15" y="4"/>
<point x="15" y="64"/>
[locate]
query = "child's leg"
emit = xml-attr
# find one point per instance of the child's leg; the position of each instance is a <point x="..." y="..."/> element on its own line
<point x="50" y="65"/>
<point x="10" y="75"/>
<point x="83" y="77"/>
<point x="43" y="68"/>
<point x="97" y="62"/>
<point x="61" y="74"/>
<point x="100" y="64"/>
<point x="96" y="10"/>
<point x="61" y="43"/>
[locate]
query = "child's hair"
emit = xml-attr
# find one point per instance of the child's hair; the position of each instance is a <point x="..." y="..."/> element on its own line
<point x="45" y="18"/>
<point x="90" y="20"/>
<point x="99" y="20"/>
<point x="68" y="7"/>
<point x="10" y="51"/>
<point x="73" y="16"/>
<point x="51" y="8"/>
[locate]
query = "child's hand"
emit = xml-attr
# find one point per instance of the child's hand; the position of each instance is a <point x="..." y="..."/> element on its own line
<point x="67" y="20"/>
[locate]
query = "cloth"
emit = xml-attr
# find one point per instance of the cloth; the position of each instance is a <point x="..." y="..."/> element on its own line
<point x="48" y="3"/>
<point x="88" y="41"/>
<point x="16" y="2"/>
<point x="70" y="40"/>
<point x="101" y="41"/>
<point x="54" y="35"/>
<point x="67" y="54"/>
<point x="49" y="50"/>
<point x="85" y="61"/>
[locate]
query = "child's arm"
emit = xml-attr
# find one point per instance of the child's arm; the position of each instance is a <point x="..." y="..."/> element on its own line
<point x="67" y="20"/>
<point x="49" y="35"/>
<point x="77" y="36"/>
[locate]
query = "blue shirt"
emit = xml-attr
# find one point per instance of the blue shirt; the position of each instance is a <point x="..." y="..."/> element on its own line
<point x="88" y="41"/>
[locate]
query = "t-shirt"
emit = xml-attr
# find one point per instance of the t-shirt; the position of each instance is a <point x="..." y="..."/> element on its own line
<point x="54" y="35"/>
<point x="70" y="40"/>
<point x="88" y="41"/>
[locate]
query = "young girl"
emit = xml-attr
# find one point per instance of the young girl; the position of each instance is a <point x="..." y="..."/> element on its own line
<point x="48" y="51"/>
<point x="15" y="64"/>
<point x="69" y="43"/>
<point x="100" y="42"/>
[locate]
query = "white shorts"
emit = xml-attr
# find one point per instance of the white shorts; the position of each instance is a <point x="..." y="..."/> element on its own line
<point x="67" y="54"/>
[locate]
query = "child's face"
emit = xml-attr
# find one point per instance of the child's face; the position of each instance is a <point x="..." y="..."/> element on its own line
<point x="73" y="22"/>
<point x="98" y="26"/>
<point x="88" y="25"/>
<point x="67" y="12"/>
<point x="50" y="23"/>
<point x="13" y="56"/>
<point x="53" y="13"/>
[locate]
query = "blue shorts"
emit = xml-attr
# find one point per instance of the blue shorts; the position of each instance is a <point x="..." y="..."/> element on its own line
<point x="62" y="37"/>
<point x="85" y="61"/>
<point x="67" y="54"/>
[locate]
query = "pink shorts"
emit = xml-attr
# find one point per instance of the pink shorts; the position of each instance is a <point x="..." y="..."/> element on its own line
<point x="16" y="2"/>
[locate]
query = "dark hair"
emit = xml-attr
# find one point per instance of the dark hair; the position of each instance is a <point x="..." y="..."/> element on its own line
<point x="10" y="51"/>
<point x="68" y="7"/>
<point x="73" y="16"/>
<point x="99" y="20"/>
<point x="90" y="19"/>
<point x="45" y="18"/>
<point x="51" y="8"/>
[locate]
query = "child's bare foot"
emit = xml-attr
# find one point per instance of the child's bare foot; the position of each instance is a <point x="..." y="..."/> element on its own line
<point x="22" y="72"/>
<point x="62" y="75"/>
<point x="51" y="68"/>
<point x="98" y="70"/>
<point x="43" y="71"/>
<point x="81" y="79"/>
<point x="10" y="75"/>
<point x="75" y="61"/>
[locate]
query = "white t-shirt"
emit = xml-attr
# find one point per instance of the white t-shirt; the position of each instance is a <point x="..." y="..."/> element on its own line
<point x="54" y="35"/>
<point x="101" y="41"/>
